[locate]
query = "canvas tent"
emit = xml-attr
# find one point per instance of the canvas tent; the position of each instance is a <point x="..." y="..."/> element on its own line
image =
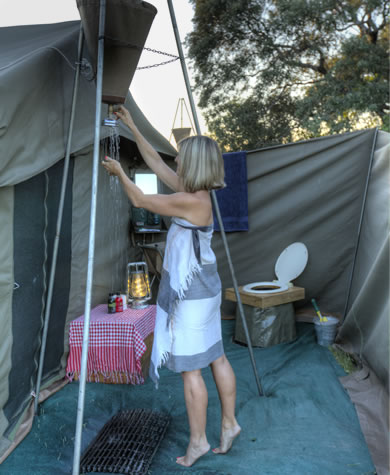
<point x="310" y="191"/>
<point x="36" y="78"/>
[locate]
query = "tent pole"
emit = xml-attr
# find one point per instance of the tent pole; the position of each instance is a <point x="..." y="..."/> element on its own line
<point x="361" y="221"/>
<point x="59" y="220"/>
<point x="214" y="198"/>
<point x="91" y="245"/>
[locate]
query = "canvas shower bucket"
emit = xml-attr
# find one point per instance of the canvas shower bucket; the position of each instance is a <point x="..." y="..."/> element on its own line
<point x="326" y="330"/>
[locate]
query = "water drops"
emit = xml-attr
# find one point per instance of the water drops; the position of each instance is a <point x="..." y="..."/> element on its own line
<point x="117" y="215"/>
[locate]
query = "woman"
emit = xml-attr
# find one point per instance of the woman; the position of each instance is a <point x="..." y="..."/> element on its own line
<point x="187" y="334"/>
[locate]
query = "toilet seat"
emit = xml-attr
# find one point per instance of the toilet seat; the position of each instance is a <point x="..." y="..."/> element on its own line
<point x="265" y="287"/>
<point x="289" y="265"/>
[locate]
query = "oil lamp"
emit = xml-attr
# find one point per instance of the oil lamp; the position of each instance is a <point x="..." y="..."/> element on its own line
<point x="138" y="286"/>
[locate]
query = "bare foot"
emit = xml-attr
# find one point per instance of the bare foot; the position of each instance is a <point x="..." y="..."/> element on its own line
<point x="193" y="453"/>
<point x="227" y="437"/>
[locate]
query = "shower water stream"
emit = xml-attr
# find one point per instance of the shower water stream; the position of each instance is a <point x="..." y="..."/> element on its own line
<point x="115" y="211"/>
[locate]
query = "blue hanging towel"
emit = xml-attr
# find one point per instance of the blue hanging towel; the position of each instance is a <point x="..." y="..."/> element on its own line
<point x="233" y="199"/>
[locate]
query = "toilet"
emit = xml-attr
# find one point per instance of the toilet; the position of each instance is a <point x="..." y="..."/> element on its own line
<point x="289" y="265"/>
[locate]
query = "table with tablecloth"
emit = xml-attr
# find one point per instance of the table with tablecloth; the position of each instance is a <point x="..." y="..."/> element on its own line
<point x="116" y="344"/>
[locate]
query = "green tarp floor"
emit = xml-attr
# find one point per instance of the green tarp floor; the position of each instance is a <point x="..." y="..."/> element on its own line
<point x="306" y="424"/>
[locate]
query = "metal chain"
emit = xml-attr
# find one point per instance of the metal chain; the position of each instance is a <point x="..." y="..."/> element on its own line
<point x="162" y="52"/>
<point x="130" y="45"/>
<point x="158" y="64"/>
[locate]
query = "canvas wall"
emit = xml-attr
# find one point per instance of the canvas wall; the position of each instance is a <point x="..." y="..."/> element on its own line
<point x="312" y="192"/>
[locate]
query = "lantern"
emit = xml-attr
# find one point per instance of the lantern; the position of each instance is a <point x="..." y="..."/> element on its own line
<point x="138" y="286"/>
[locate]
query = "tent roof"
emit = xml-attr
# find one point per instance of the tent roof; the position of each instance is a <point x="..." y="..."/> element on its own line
<point x="37" y="64"/>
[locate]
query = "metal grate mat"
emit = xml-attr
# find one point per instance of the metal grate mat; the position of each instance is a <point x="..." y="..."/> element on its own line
<point x="126" y="444"/>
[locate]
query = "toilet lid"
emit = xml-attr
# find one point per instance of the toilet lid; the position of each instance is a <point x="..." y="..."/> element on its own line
<point x="291" y="262"/>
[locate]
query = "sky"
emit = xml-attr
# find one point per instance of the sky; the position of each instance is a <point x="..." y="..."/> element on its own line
<point x="156" y="90"/>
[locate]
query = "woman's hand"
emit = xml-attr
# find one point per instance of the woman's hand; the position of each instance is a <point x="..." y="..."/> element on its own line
<point x="112" y="166"/>
<point x="125" y="117"/>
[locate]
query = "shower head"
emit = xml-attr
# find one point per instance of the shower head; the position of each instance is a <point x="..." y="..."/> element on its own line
<point x="110" y="120"/>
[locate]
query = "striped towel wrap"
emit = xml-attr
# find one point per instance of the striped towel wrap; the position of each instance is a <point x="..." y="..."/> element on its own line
<point x="187" y="334"/>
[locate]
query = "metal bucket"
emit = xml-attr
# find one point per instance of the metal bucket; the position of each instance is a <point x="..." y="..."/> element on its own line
<point x="326" y="331"/>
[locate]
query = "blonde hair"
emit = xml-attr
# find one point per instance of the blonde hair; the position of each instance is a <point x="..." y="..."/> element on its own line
<point x="201" y="164"/>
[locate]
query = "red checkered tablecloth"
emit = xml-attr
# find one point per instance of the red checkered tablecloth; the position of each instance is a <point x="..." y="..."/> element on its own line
<point x="116" y="342"/>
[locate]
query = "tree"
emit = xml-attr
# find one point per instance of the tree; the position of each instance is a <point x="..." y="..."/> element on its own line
<point x="272" y="71"/>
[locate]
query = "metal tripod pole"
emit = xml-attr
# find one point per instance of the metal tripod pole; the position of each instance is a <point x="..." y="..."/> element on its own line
<point x="91" y="245"/>
<point x="214" y="198"/>
<point x="59" y="221"/>
<point x="361" y="221"/>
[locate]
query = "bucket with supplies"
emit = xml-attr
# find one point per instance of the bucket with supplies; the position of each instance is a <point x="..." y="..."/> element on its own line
<point x="326" y="330"/>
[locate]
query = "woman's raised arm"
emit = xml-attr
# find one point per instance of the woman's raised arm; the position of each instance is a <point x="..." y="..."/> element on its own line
<point x="149" y="154"/>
